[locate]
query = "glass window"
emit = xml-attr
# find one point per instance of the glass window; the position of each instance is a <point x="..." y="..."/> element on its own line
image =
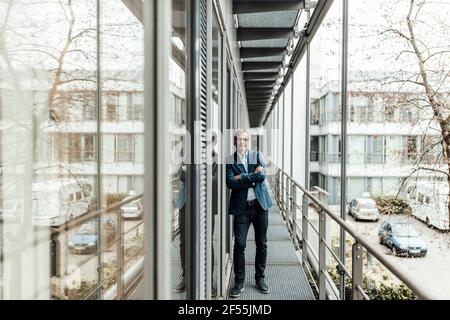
<point x="125" y="148"/>
<point x="88" y="103"/>
<point x="111" y="108"/>
<point x="178" y="137"/>
<point x="122" y="76"/>
<point x="385" y="67"/>
<point x="287" y="127"/>
<point x="135" y="107"/>
<point x="89" y="147"/>
<point x="48" y="83"/>
<point x="375" y="145"/>
<point x="356" y="149"/>
<point x="214" y="150"/>
<point x="325" y="88"/>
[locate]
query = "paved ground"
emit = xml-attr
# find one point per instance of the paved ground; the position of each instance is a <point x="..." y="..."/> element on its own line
<point x="432" y="271"/>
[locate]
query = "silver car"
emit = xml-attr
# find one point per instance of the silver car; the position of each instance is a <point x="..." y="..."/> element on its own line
<point x="133" y="209"/>
<point x="364" y="209"/>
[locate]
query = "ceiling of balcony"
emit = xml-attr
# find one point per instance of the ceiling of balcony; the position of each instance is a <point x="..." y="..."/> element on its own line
<point x="264" y="31"/>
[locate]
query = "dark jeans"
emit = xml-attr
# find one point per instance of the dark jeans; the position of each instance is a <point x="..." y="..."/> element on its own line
<point x="182" y="226"/>
<point x="260" y="219"/>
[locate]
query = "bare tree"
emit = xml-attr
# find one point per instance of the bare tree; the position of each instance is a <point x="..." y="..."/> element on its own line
<point x="431" y="53"/>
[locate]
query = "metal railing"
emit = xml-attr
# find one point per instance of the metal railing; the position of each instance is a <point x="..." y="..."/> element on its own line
<point x="117" y="284"/>
<point x="329" y="157"/>
<point x="287" y="192"/>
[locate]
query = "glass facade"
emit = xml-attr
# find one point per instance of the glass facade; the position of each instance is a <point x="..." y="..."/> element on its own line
<point x="82" y="98"/>
<point x="397" y="117"/>
<point x="179" y="149"/>
<point x="72" y="97"/>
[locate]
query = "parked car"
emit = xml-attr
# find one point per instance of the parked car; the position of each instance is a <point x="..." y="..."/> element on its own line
<point x="133" y="209"/>
<point x="55" y="202"/>
<point x="85" y="239"/>
<point x="364" y="209"/>
<point x="402" y="239"/>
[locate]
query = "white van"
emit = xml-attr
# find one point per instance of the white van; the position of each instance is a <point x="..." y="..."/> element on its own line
<point x="55" y="202"/>
<point x="429" y="203"/>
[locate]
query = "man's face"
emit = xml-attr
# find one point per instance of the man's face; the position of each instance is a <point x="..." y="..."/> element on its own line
<point x="242" y="142"/>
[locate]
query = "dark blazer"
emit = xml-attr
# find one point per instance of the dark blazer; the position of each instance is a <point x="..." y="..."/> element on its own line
<point x="250" y="179"/>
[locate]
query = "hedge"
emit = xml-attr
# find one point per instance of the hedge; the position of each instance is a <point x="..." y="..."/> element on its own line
<point x="383" y="291"/>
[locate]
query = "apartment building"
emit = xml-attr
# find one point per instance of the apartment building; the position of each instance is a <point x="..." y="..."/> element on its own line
<point x="68" y="143"/>
<point x="388" y="136"/>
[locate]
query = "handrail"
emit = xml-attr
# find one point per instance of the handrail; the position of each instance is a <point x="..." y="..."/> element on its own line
<point x="360" y="239"/>
<point x="120" y="233"/>
<point x="69" y="225"/>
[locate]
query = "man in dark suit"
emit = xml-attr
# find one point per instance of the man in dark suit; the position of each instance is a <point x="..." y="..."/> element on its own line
<point x="249" y="204"/>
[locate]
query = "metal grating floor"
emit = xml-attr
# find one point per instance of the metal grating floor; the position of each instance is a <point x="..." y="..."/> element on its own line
<point x="284" y="274"/>
<point x="278" y="252"/>
<point x="275" y="233"/>
<point x="286" y="282"/>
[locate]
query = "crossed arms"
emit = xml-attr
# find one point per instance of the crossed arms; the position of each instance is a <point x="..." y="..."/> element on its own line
<point x="244" y="180"/>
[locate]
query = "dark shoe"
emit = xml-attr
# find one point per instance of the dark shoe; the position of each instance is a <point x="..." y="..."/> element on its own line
<point x="236" y="290"/>
<point x="181" y="287"/>
<point x="261" y="286"/>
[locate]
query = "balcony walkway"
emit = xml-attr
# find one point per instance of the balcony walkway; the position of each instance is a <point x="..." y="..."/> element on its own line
<point x="284" y="273"/>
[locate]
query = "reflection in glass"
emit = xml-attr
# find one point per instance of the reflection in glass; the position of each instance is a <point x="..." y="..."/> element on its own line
<point x="48" y="84"/>
<point x="390" y="82"/>
<point x="215" y="147"/>
<point x="122" y="143"/>
<point x="325" y="92"/>
<point x="177" y="79"/>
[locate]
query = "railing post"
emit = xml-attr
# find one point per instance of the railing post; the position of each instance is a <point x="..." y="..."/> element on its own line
<point x="322" y="255"/>
<point x="304" y="228"/>
<point x="280" y="197"/>
<point x="283" y="194"/>
<point x="120" y="256"/>
<point x="275" y="185"/>
<point x="278" y="186"/>
<point x="289" y="197"/>
<point x="294" y="208"/>
<point x="357" y="270"/>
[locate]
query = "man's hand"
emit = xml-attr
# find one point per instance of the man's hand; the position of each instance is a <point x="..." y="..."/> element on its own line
<point x="259" y="169"/>
<point x="237" y="177"/>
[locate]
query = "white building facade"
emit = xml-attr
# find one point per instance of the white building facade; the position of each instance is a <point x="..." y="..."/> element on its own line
<point x="386" y="142"/>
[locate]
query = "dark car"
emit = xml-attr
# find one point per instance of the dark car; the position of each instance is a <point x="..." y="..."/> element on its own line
<point x="85" y="239"/>
<point x="402" y="239"/>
